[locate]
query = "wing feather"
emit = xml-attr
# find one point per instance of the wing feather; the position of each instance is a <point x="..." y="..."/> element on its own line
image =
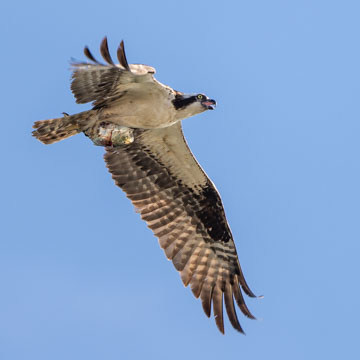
<point x="190" y="268"/>
<point x="206" y="297"/>
<point x="122" y="56"/>
<point x="90" y="56"/>
<point x="101" y="84"/>
<point x="104" y="50"/>
<point x="181" y="259"/>
<point x="230" y="309"/>
<point x="240" y="301"/>
<point x="218" y="308"/>
<point x="180" y="204"/>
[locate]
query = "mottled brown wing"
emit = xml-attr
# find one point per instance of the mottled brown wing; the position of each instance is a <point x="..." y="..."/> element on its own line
<point x="183" y="208"/>
<point x="101" y="83"/>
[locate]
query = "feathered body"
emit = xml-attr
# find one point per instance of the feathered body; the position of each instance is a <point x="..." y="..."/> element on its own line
<point x="138" y="119"/>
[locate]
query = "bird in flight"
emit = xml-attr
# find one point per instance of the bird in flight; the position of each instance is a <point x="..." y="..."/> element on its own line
<point x="138" y="121"/>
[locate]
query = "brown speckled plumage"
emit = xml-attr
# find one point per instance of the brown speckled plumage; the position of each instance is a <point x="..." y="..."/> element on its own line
<point x="177" y="211"/>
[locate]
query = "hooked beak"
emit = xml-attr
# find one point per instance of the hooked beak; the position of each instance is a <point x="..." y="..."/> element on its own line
<point x="209" y="104"/>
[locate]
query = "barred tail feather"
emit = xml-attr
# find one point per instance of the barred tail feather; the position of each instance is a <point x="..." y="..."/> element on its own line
<point x="54" y="130"/>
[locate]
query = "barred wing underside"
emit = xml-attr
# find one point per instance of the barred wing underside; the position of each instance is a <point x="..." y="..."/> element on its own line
<point x="183" y="208"/>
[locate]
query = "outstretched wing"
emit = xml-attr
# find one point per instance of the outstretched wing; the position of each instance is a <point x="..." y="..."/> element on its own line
<point x="183" y="208"/>
<point x="101" y="83"/>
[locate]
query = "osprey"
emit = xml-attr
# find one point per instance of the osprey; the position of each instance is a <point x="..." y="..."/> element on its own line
<point x="138" y="121"/>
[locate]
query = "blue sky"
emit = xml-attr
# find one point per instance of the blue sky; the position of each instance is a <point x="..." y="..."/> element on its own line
<point x="81" y="276"/>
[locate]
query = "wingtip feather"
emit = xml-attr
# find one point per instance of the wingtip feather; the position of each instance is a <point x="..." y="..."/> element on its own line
<point x="104" y="50"/>
<point x="122" y="56"/>
<point x="218" y="309"/>
<point x="89" y="55"/>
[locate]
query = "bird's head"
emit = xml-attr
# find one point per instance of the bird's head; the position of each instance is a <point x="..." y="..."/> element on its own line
<point x="189" y="104"/>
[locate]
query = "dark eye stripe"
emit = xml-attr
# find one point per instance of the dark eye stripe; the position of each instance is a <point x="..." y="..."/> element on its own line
<point x="181" y="102"/>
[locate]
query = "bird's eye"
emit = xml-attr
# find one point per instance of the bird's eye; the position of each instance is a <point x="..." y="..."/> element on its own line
<point x="200" y="96"/>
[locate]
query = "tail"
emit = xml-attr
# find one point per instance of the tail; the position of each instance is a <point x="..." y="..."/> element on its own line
<point x="54" y="130"/>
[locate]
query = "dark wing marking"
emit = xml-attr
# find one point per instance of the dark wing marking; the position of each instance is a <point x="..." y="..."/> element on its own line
<point x="90" y="56"/>
<point x="101" y="83"/>
<point x="104" y="51"/>
<point x="122" y="57"/>
<point x="182" y="207"/>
